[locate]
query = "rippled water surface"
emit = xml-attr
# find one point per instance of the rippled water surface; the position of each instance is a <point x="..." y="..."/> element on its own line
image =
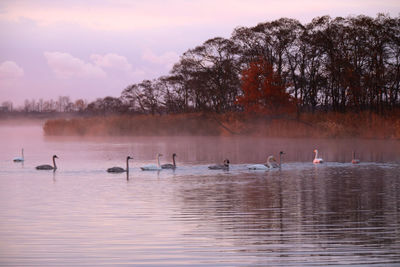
<point x="302" y="215"/>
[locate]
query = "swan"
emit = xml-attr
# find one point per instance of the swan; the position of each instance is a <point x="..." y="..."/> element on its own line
<point x="224" y="166"/>
<point x="280" y="158"/>
<point x="265" y="166"/>
<point x="19" y="159"/>
<point x="153" y="167"/>
<point x="119" y="169"/>
<point x="354" y="160"/>
<point x="271" y="162"/>
<point x="316" y="159"/>
<point x="169" y="165"/>
<point x="48" y="167"/>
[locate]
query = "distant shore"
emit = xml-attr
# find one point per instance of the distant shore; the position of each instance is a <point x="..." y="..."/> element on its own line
<point x="22" y="118"/>
<point x="317" y="125"/>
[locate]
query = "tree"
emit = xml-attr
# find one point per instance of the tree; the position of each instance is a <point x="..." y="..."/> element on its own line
<point x="80" y="105"/>
<point x="146" y="95"/>
<point x="7" y="106"/>
<point x="263" y="90"/>
<point x="211" y="75"/>
<point x="63" y="103"/>
<point x="107" y="105"/>
<point x="129" y="97"/>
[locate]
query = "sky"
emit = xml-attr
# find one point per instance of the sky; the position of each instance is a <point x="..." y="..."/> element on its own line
<point x="96" y="48"/>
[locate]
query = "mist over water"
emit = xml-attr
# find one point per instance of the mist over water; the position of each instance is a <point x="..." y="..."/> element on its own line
<point x="331" y="214"/>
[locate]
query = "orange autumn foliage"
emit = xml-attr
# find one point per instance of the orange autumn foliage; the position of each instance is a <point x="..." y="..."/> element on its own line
<point x="264" y="91"/>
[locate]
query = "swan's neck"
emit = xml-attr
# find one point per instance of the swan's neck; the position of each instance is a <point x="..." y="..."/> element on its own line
<point x="269" y="162"/>
<point x="22" y="153"/>
<point x="316" y="153"/>
<point x="173" y="161"/>
<point x="54" y="163"/>
<point x="354" y="155"/>
<point x="158" y="161"/>
<point x="127" y="165"/>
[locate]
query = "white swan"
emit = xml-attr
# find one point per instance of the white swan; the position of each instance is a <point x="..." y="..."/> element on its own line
<point x="153" y="167"/>
<point x="169" y="165"/>
<point x="224" y="166"/>
<point x="119" y="169"/>
<point x="48" y="167"/>
<point x="354" y="160"/>
<point x="265" y="166"/>
<point x="20" y="159"/>
<point x="316" y="159"/>
<point x="257" y="167"/>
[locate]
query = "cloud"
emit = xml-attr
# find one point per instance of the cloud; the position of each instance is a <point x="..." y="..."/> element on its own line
<point x="167" y="59"/>
<point x="10" y="70"/>
<point x="122" y="15"/>
<point x="65" y="65"/>
<point x="115" y="16"/>
<point x="109" y="65"/>
<point x="112" y="61"/>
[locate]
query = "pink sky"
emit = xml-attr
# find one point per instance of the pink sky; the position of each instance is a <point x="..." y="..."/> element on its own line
<point x="90" y="49"/>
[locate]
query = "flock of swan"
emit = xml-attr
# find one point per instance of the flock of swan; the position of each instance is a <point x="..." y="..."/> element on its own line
<point x="271" y="163"/>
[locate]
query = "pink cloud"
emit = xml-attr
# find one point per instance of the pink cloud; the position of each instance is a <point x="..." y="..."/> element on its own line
<point x="109" y="65"/>
<point x="10" y="70"/>
<point x="166" y="59"/>
<point x="65" y="65"/>
<point x="122" y="15"/>
<point x="112" y="61"/>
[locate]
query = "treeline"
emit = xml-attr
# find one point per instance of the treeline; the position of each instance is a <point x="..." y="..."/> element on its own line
<point x="330" y="64"/>
<point x="340" y="64"/>
<point x="347" y="69"/>
<point x="62" y="104"/>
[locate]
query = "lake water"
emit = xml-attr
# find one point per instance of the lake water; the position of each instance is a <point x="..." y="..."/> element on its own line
<point x="335" y="214"/>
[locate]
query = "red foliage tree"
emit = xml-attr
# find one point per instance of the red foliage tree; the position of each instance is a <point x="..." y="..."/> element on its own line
<point x="263" y="90"/>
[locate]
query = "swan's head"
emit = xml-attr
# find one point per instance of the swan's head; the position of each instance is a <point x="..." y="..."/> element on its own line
<point x="174" y="155"/>
<point x="159" y="155"/>
<point x="315" y="151"/>
<point x="281" y="153"/>
<point x="128" y="158"/>
<point x="226" y="162"/>
<point x="55" y="157"/>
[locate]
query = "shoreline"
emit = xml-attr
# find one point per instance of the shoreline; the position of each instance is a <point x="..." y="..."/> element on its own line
<point x="317" y="125"/>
